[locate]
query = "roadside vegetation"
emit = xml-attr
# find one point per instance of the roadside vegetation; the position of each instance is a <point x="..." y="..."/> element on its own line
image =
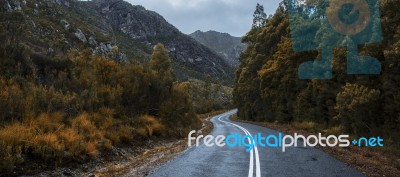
<point x="208" y="97"/>
<point x="268" y="89"/>
<point x="74" y="109"/>
<point x="160" y="153"/>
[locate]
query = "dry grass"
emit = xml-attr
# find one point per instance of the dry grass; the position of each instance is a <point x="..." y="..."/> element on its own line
<point x="141" y="164"/>
<point x="138" y="165"/>
<point x="84" y="126"/>
<point x="91" y="148"/>
<point x="70" y="137"/>
<point x="48" y="136"/>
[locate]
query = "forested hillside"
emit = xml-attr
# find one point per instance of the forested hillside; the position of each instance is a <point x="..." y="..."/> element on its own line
<point x="73" y="87"/>
<point x="86" y="106"/>
<point x="112" y="28"/>
<point x="268" y="87"/>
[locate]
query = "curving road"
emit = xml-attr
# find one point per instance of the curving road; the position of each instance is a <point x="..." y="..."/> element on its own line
<point x="261" y="161"/>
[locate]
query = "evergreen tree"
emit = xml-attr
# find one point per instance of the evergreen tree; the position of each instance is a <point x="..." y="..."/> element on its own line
<point x="259" y="16"/>
<point x="160" y="60"/>
<point x="267" y="87"/>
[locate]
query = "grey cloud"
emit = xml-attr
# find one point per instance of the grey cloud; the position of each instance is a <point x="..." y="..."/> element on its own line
<point x="231" y="16"/>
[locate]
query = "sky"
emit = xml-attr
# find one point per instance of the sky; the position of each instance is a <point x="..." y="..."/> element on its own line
<point x="231" y="16"/>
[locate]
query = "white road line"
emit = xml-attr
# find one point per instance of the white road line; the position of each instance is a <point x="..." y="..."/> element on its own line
<point x="258" y="169"/>
<point x="255" y="149"/>
<point x="251" y="165"/>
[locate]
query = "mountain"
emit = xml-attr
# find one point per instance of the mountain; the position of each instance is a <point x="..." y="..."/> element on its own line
<point x="225" y="45"/>
<point x="114" y="28"/>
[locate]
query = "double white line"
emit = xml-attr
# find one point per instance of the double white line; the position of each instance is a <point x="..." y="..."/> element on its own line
<point x="252" y="152"/>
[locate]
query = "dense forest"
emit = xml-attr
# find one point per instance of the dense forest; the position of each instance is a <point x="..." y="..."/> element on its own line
<point x="268" y="87"/>
<point x="65" y="101"/>
<point x="85" y="104"/>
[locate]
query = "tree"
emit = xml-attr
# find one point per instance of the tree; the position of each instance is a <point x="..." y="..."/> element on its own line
<point x="358" y="107"/>
<point x="160" y="60"/>
<point x="260" y="17"/>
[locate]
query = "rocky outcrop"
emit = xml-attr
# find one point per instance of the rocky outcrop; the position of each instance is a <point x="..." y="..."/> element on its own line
<point x="13" y="5"/>
<point x="151" y="28"/>
<point x="135" y="21"/>
<point x="65" y="24"/>
<point x="79" y="34"/>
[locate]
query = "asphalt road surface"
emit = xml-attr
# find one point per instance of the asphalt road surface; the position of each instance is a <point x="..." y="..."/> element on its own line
<point x="261" y="161"/>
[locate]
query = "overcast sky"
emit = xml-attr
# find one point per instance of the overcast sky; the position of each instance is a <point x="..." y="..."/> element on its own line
<point x="231" y="16"/>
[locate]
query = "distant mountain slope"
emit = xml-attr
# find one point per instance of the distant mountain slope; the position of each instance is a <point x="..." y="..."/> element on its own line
<point x="114" y="28"/>
<point x="225" y="45"/>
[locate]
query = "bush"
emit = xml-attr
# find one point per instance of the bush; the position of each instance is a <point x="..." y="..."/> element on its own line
<point x="150" y="126"/>
<point x="337" y="130"/>
<point x="308" y="126"/>
<point x="48" y="137"/>
<point x="13" y="144"/>
<point x="357" y="107"/>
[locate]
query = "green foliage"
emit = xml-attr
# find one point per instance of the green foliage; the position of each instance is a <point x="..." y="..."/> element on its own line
<point x="207" y="97"/>
<point x="177" y="113"/>
<point x="84" y="104"/>
<point x="159" y="60"/>
<point x="268" y="89"/>
<point x="259" y="17"/>
<point x="70" y="100"/>
<point x="357" y="107"/>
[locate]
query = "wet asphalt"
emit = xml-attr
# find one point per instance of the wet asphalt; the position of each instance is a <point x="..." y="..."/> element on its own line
<point x="235" y="161"/>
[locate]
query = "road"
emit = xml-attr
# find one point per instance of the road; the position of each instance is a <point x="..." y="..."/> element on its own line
<point x="261" y="161"/>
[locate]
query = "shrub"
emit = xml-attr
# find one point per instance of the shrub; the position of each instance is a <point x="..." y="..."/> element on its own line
<point x="14" y="139"/>
<point x="72" y="141"/>
<point x="150" y="126"/>
<point x="45" y="123"/>
<point x="84" y="126"/>
<point x="47" y="144"/>
<point x="91" y="148"/>
<point x="337" y="130"/>
<point x="308" y="126"/>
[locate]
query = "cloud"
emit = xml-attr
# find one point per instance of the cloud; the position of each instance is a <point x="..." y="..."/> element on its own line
<point x="231" y="16"/>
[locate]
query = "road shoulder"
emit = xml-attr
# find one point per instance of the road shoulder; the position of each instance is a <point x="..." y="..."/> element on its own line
<point x="150" y="159"/>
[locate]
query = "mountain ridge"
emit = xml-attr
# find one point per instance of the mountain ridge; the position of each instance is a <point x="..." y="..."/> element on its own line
<point x="118" y="30"/>
<point x="225" y="45"/>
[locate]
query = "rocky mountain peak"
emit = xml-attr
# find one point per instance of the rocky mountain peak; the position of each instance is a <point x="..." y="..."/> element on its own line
<point x="151" y="28"/>
<point x="135" y="20"/>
